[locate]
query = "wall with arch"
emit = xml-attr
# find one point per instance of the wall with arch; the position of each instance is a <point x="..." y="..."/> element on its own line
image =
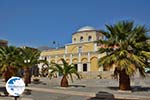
<point x="84" y="36"/>
<point x="94" y="64"/>
<point x="84" y="60"/>
<point x="86" y="47"/>
<point x="75" y="60"/>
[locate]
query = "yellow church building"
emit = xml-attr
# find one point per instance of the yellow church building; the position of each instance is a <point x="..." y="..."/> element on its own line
<point x="83" y="52"/>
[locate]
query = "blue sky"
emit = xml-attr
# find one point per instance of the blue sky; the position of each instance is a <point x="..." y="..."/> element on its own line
<point x="40" y="22"/>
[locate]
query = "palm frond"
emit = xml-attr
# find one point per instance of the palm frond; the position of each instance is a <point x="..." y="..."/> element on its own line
<point x="133" y="48"/>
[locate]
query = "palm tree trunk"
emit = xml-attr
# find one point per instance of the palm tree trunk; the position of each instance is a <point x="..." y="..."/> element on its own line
<point x="64" y="81"/>
<point x="124" y="81"/>
<point x="6" y="74"/>
<point x="26" y="76"/>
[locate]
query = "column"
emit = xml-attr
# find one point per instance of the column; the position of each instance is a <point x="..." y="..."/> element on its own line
<point x="80" y="67"/>
<point x="89" y="56"/>
<point x="66" y="49"/>
<point x="88" y="63"/>
<point x="71" y="59"/>
<point x="95" y="46"/>
<point x="79" y="57"/>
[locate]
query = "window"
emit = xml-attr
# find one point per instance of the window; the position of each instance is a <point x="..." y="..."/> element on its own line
<point x="85" y="67"/>
<point x="45" y="58"/>
<point x="81" y="38"/>
<point x="74" y="39"/>
<point x="80" y="49"/>
<point x="76" y="66"/>
<point x="89" y="38"/>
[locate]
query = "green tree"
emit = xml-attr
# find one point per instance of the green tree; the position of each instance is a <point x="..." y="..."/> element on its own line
<point x="28" y="58"/>
<point x="8" y="61"/>
<point x="127" y="47"/>
<point x="64" y="69"/>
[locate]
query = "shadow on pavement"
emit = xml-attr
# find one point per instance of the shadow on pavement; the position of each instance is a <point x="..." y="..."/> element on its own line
<point x="133" y="88"/>
<point x="77" y="86"/>
<point x="140" y="89"/>
<point x="113" y="88"/>
<point x="27" y="92"/>
<point x="101" y="95"/>
<point x="39" y="82"/>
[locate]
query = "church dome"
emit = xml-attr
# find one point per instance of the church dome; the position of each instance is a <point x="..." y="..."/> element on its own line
<point x="86" y="28"/>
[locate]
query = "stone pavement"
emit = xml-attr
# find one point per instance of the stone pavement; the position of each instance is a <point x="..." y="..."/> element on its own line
<point x="84" y="90"/>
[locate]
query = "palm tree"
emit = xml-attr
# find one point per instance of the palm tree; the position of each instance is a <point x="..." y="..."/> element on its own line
<point x="64" y="69"/>
<point x="28" y="58"/>
<point x="8" y="61"/>
<point x="127" y="48"/>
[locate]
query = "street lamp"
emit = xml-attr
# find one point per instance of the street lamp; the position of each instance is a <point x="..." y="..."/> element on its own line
<point x="27" y="61"/>
<point x="56" y="44"/>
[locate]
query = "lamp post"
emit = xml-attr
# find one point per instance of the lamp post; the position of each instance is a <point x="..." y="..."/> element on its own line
<point x="27" y="72"/>
<point x="56" y="44"/>
<point x="27" y="61"/>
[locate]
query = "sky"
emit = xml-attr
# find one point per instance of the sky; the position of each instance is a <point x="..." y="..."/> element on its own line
<point x="38" y="23"/>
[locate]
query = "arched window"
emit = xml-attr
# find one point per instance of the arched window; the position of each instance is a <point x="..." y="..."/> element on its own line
<point x="81" y="38"/>
<point x="76" y="66"/>
<point x="85" y="67"/>
<point x="89" y="38"/>
<point x="80" y="49"/>
<point x="45" y="58"/>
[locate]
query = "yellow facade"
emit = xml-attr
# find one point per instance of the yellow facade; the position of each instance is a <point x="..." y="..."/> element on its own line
<point x="82" y="51"/>
<point x="53" y="52"/>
